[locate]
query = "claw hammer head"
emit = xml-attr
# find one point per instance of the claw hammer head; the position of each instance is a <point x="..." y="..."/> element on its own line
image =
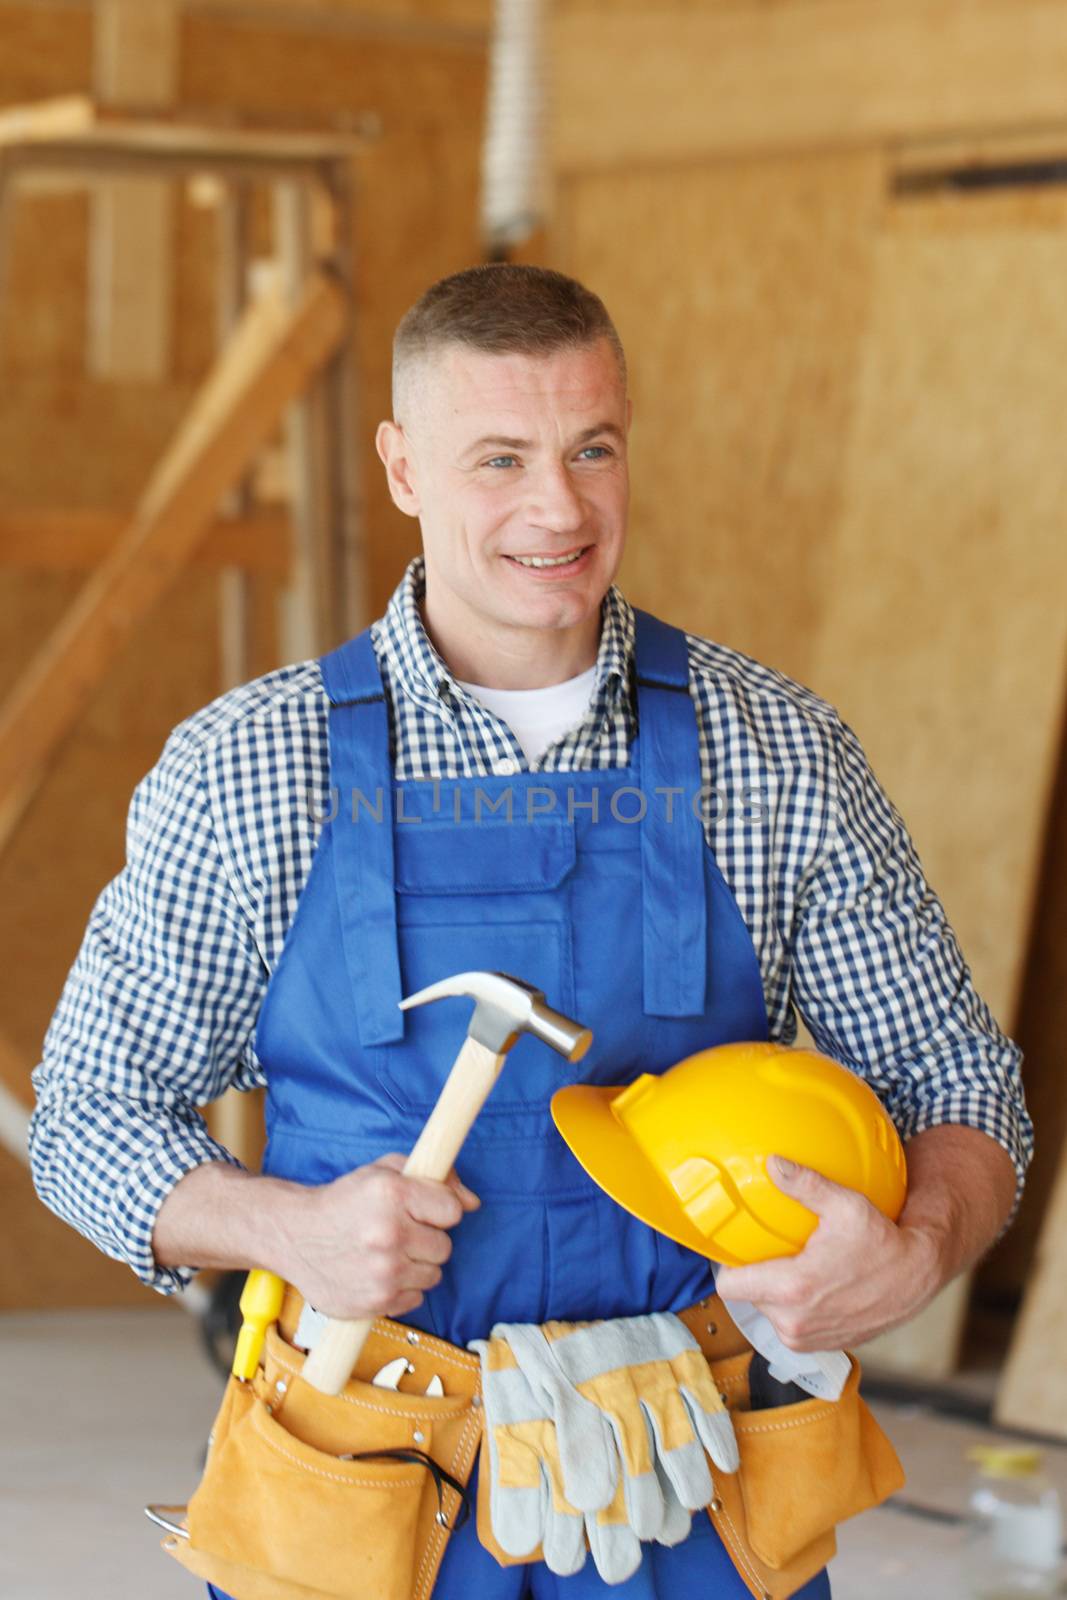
<point x="504" y="1007"/>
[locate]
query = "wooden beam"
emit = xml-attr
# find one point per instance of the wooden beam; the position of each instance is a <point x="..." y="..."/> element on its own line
<point x="135" y="49"/>
<point x="674" y="82"/>
<point x="310" y="606"/>
<point x="131" y="234"/>
<point x="460" y="23"/>
<point x="72" y="135"/>
<point x="273" y="354"/>
<point x="77" y="541"/>
<point x="62" y="118"/>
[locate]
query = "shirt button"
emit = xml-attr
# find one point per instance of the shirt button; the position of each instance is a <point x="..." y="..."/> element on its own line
<point x="506" y="768"/>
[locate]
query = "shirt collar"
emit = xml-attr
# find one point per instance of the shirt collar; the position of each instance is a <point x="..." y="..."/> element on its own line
<point x="421" y="671"/>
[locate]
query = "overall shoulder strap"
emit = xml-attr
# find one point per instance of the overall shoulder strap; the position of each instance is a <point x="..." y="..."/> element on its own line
<point x="350" y="673"/>
<point x="661" y="653"/>
<point x="361" y="771"/>
<point x="672" y="832"/>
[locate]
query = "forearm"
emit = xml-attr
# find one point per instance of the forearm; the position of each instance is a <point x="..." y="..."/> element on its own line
<point x="961" y="1189"/>
<point x="222" y="1216"/>
<point x="367" y="1244"/>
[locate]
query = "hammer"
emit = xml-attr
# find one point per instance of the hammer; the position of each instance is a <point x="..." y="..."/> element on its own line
<point x="504" y="1008"/>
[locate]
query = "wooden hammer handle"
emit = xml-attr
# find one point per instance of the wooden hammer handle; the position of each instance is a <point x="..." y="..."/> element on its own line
<point x="474" y="1072"/>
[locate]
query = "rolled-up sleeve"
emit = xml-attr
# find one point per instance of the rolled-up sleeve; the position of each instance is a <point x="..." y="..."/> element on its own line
<point x="156" y="1019"/>
<point x="881" y="983"/>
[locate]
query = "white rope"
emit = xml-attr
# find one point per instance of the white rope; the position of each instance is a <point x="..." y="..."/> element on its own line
<point x="514" y="154"/>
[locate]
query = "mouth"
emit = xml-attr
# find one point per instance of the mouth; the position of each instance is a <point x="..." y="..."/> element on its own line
<point x="567" y="562"/>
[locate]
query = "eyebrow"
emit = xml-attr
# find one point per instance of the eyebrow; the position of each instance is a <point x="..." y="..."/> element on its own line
<point x="501" y="441"/>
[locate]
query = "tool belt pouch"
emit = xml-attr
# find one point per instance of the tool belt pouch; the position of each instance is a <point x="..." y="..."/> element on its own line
<point x="287" y="1510"/>
<point x="804" y="1468"/>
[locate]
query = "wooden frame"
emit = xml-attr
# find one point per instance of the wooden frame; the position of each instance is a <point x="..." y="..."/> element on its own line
<point x="276" y="349"/>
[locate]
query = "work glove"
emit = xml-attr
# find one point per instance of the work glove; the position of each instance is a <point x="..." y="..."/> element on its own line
<point x="822" y="1373"/>
<point x="528" y="1505"/>
<point x="634" y="1408"/>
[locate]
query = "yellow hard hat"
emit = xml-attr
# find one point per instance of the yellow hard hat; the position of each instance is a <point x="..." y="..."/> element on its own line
<point x="687" y="1151"/>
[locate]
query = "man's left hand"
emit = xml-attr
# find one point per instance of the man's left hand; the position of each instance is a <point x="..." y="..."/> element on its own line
<point x="857" y="1275"/>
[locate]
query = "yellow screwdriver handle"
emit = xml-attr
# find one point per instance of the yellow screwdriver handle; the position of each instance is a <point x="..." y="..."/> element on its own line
<point x="261" y="1304"/>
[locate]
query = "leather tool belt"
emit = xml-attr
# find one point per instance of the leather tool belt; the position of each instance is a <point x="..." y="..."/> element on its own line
<point x="308" y="1496"/>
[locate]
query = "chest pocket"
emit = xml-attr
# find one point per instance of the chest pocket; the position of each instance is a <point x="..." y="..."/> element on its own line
<point x="495" y="896"/>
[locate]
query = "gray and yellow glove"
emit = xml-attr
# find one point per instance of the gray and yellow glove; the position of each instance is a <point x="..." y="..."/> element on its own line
<point x="642" y="1382"/>
<point x="528" y="1505"/>
<point x="599" y="1427"/>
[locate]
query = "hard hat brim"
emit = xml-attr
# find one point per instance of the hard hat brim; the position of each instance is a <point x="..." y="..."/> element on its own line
<point x="616" y="1164"/>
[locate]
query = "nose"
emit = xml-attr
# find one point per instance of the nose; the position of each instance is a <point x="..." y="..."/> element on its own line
<point x="554" y="502"/>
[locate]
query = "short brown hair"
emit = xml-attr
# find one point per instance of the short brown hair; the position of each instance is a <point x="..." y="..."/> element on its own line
<point x="500" y="309"/>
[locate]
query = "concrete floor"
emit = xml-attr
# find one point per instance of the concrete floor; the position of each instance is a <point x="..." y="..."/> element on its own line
<point x="105" y="1410"/>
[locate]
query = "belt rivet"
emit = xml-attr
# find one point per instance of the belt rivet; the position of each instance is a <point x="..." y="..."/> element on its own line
<point x="712" y="1327"/>
<point x="476" y="1401"/>
<point x="281" y="1385"/>
<point x="716" y="1504"/>
<point x="418" y="1436"/>
<point x="413" y="1338"/>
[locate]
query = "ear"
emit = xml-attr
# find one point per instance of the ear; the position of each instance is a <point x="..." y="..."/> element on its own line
<point x="394" y="448"/>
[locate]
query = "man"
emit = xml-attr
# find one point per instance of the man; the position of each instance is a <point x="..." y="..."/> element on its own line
<point x="509" y="700"/>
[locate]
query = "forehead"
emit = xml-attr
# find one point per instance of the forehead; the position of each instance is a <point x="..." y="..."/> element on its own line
<point x="463" y="388"/>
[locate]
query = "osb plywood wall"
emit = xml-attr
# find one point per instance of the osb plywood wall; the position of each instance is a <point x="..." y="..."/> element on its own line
<point x="417" y="68"/>
<point x="846" y="449"/>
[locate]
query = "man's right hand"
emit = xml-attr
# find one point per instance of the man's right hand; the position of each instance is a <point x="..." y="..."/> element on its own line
<point x="371" y="1243"/>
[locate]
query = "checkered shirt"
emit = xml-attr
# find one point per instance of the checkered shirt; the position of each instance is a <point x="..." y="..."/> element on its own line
<point x="158" y="1015"/>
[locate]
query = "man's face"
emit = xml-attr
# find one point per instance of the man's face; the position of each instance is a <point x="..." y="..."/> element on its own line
<point x="509" y="462"/>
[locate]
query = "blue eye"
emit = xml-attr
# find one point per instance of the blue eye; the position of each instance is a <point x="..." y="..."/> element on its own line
<point x="501" y="461"/>
<point x="596" y="451"/>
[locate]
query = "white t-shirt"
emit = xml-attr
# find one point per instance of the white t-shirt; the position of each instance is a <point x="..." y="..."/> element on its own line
<point x="538" y="717"/>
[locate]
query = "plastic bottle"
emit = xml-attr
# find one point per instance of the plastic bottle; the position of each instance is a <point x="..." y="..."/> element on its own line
<point x="1015" y="1545"/>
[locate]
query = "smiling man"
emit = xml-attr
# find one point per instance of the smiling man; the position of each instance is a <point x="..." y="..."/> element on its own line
<point x="756" y="871"/>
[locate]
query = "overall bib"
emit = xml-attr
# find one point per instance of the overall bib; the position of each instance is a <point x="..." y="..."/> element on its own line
<point x="599" y="888"/>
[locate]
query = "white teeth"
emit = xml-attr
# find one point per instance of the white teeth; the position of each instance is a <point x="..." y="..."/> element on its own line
<point x="548" y="561"/>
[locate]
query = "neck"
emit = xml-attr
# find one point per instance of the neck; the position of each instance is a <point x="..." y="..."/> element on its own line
<point x="499" y="657"/>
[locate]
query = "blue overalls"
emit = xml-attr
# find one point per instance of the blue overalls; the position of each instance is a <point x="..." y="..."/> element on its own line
<point x="600" y="889"/>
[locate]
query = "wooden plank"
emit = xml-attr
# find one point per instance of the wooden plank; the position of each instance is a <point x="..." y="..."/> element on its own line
<point x="457" y="22"/>
<point x="982" y="150"/>
<point x="235" y="589"/>
<point x="73" y="125"/>
<point x="744" y="361"/>
<point x="713" y="82"/>
<point x="1033" y="1388"/>
<point x="131" y="281"/>
<point x="310" y="606"/>
<point x="131" y="231"/>
<point x="943" y="615"/>
<point x="270" y="359"/>
<point x="345" y="419"/>
<point x="63" y="117"/>
<point x="77" y="540"/>
<point x="135" y="53"/>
